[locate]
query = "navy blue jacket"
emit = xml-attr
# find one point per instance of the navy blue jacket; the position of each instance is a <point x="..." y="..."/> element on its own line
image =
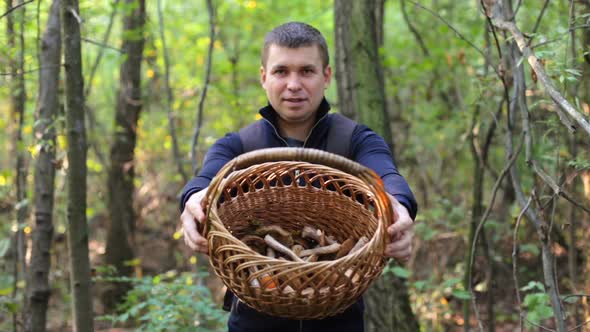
<point x="367" y="148"/>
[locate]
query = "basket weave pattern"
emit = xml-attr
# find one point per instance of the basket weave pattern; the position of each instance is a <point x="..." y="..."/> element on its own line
<point x="261" y="189"/>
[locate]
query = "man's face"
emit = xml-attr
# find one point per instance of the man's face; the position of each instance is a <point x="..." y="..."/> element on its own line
<point x="295" y="80"/>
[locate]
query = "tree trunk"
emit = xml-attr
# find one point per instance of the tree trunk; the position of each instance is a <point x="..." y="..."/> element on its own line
<point x="16" y="255"/>
<point x="583" y="145"/>
<point x="76" y="181"/>
<point x="119" y="249"/>
<point x="359" y="75"/>
<point x="361" y="95"/>
<point x="47" y="110"/>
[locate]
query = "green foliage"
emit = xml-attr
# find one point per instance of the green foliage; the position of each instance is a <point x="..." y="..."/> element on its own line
<point x="536" y="303"/>
<point x="168" y="302"/>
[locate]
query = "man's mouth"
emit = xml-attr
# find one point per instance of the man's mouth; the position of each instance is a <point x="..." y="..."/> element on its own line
<point x="294" y="100"/>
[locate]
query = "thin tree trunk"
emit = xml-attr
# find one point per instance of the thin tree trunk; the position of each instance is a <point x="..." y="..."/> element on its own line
<point x="479" y="154"/>
<point x="76" y="181"/>
<point x="16" y="255"/>
<point x="361" y="95"/>
<point x="199" y="122"/>
<point x="119" y="248"/>
<point x="39" y="290"/>
<point x="169" y="97"/>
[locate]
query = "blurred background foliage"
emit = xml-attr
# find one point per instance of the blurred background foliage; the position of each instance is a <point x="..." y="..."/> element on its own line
<point x="432" y="95"/>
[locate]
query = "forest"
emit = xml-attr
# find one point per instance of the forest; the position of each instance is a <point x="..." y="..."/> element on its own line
<point x="107" y="109"/>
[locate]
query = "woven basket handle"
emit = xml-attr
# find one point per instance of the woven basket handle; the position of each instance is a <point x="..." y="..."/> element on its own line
<point x="313" y="156"/>
<point x="306" y="155"/>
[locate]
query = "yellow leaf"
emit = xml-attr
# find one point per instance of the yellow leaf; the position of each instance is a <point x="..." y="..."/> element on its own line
<point x="62" y="142"/>
<point x="193" y="259"/>
<point x="33" y="151"/>
<point x="149" y="73"/>
<point x="177" y="235"/>
<point x="27" y="130"/>
<point x="27" y="230"/>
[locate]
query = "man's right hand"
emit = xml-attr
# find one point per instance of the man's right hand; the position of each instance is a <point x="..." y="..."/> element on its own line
<point x="193" y="213"/>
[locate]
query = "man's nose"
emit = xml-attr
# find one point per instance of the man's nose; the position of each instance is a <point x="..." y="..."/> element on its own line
<point x="293" y="82"/>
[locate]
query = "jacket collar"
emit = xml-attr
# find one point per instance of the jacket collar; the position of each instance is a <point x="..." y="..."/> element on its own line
<point x="269" y="113"/>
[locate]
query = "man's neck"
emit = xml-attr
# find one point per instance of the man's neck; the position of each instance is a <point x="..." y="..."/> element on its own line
<point x="299" y="130"/>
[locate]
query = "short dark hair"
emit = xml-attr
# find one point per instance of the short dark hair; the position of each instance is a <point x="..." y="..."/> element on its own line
<point x="294" y="35"/>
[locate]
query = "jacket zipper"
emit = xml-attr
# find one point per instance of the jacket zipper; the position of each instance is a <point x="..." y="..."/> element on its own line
<point x="304" y="142"/>
<point x="308" y="135"/>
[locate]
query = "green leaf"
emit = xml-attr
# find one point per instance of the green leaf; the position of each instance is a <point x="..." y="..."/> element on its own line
<point x="5" y="291"/>
<point x="571" y="299"/>
<point x="451" y="282"/>
<point x="531" y="248"/>
<point x="534" y="285"/>
<point x="461" y="294"/>
<point x="401" y="272"/>
<point x="4" y="246"/>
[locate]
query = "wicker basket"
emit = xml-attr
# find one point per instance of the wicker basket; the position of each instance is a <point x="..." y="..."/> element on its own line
<point x="295" y="187"/>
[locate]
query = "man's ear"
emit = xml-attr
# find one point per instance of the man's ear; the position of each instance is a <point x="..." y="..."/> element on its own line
<point x="327" y="76"/>
<point x="262" y="75"/>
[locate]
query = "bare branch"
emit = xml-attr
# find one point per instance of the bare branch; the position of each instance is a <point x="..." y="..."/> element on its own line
<point x="75" y="14"/>
<point x="515" y="257"/>
<point x="15" y="8"/>
<point x="485" y="216"/>
<point x="29" y="71"/>
<point x="557" y="190"/>
<point x="459" y="34"/>
<point x="413" y="29"/>
<point x="575" y="328"/>
<point x="103" y="45"/>
<point x="538" y="22"/>
<point x="105" y="40"/>
<point x="556" y="96"/>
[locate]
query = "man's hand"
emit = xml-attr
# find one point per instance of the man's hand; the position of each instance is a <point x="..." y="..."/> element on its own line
<point x="193" y="213"/>
<point x="401" y="233"/>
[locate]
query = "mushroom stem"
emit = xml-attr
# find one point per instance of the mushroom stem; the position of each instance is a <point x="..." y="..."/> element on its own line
<point x="276" y="245"/>
<point x="321" y="250"/>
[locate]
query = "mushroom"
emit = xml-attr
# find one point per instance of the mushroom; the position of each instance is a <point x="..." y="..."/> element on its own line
<point x="255" y="242"/>
<point x="330" y="249"/>
<point x="282" y="235"/>
<point x="297" y="248"/>
<point x="345" y="248"/>
<point x="276" y="245"/>
<point x="360" y="243"/>
<point x="316" y="235"/>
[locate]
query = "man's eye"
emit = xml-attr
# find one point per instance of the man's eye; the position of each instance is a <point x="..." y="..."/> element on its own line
<point x="308" y="71"/>
<point x="280" y="71"/>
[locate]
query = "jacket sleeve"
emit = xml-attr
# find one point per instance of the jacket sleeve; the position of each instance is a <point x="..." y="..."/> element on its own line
<point x="221" y="152"/>
<point x="370" y="149"/>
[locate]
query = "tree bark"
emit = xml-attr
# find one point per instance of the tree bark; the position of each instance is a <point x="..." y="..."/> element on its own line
<point x="361" y="95"/>
<point x="39" y="290"/>
<point x="77" y="228"/>
<point x="359" y="73"/>
<point x="18" y="96"/>
<point x="119" y="248"/>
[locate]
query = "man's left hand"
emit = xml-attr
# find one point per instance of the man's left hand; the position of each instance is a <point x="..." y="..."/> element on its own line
<point x="401" y="233"/>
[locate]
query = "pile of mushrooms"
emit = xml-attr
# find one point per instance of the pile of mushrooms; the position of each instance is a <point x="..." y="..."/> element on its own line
<point x="310" y="245"/>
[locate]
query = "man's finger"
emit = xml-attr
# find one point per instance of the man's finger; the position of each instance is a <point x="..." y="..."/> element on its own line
<point x="404" y="242"/>
<point x="189" y="227"/>
<point x="401" y="225"/>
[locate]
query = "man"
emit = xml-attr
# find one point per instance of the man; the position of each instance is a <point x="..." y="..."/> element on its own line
<point x="295" y="72"/>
